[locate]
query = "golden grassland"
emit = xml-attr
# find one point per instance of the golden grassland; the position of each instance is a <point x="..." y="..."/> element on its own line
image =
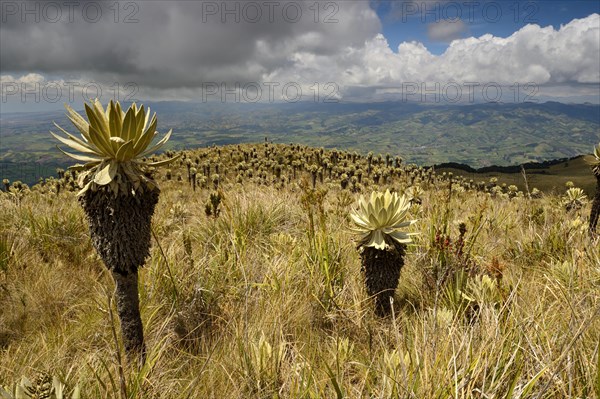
<point x="267" y="300"/>
<point x="551" y="179"/>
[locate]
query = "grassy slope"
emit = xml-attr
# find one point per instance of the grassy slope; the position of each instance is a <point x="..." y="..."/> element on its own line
<point x="549" y="180"/>
<point x="245" y="313"/>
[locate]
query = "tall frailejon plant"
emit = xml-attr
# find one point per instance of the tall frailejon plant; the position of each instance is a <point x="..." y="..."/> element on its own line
<point x="118" y="196"/>
<point x="380" y="221"/>
<point x="595" y="212"/>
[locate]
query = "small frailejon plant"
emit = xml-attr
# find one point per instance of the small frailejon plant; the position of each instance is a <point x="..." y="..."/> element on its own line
<point x="118" y="196"/>
<point x="574" y="199"/>
<point x="42" y="387"/>
<point x="262" y="364"/>
<point x="212" y="206"/>
<point x="415" y="194"/>
<point x="380" y="222"/>
<point x="595" y="212"/>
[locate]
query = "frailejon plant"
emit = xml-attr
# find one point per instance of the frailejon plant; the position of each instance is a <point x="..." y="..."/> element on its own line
<point x="380" y="222"/>
<point x="118" y="196"/>
<point x="574" y="199"/>
<point x="44" y="386"/>
<point x="415" y="194"/>
<point x="213" y="204"/>
<point x="193" y="172"/>
<point x="595" y="212"/>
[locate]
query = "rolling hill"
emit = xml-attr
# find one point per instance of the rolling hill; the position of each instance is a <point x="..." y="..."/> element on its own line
<point x="477" y="135"/>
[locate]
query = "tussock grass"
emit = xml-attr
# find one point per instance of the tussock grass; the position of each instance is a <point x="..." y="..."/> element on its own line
<point x="258" y="304"/>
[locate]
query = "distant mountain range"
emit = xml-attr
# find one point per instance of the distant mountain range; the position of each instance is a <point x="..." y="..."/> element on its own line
<point x="478" y="135"/>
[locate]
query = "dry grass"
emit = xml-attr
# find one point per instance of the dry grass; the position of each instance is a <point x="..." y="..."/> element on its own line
<point x="250" y="305"/>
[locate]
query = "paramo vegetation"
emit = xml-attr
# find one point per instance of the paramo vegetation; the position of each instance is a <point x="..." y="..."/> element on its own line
<point x="286" y="271"/>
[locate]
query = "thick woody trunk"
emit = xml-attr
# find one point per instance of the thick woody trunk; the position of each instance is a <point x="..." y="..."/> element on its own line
<point x="382" y="272"/>
<point x="120" y="231"/>
<point x="128" y="308"/>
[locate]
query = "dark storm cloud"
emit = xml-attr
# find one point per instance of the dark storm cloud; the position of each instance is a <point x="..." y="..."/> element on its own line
<point x="172" y="49"/>
<point x="176" y="44"/>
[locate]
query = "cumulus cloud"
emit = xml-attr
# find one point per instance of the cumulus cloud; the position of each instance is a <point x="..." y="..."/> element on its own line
<point x="534" y="54"/>
<point x="30" y="78"/>
<point x="175" y="48"/>
<point x="446" y="30"/>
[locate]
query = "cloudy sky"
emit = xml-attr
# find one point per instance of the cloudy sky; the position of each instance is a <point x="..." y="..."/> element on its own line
<point x="434" y="51"/>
